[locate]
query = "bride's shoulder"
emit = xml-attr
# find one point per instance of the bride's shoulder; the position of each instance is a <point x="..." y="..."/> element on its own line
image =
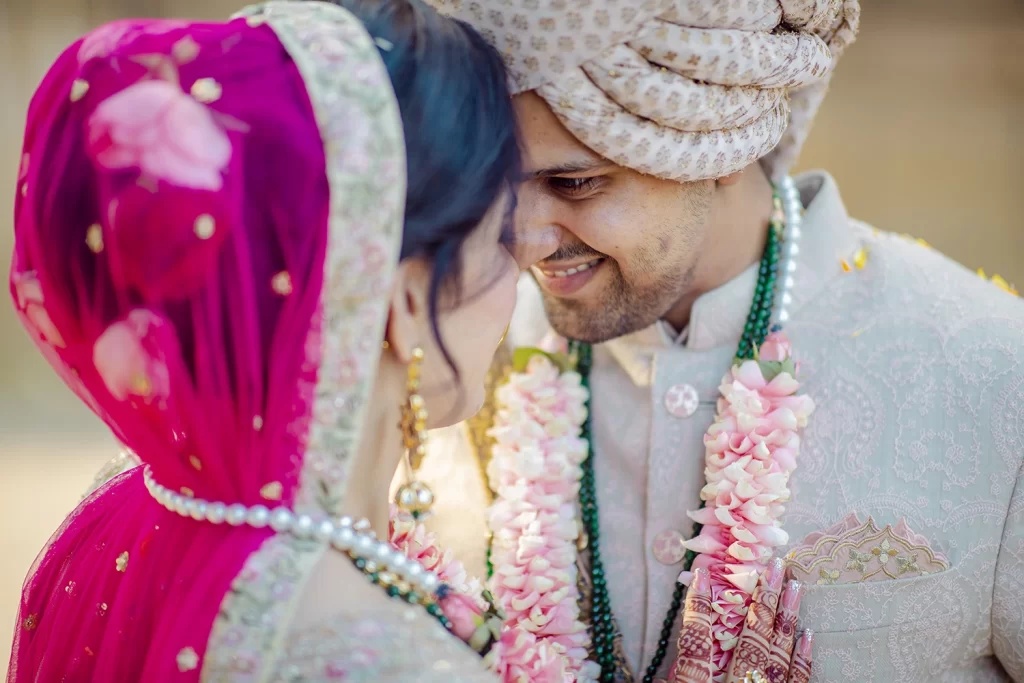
<point x="357" y="632"/>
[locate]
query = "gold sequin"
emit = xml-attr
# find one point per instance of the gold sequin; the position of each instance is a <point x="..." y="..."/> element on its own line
<point x="207" y="90"/>
<point x="187" y="492"/>
<point x="101" y="609"/>
<point x="282" y="283"/>
<point x="78" y="89"/>
<point x="257" y="423"/>
<point x="94" y="238"/>
<point x="272" y="491"/>
<point x="204" y="227"/>
<point x="860" y="258"/>
<point x="185" y="50"/>
<point x="30" y="623"/>
<point x="196" y="463"/>
<point x="70" y="588"/>
<point x="845" y="265"/>
<point x="122" y="562"/>
<point x="187" y="660"/>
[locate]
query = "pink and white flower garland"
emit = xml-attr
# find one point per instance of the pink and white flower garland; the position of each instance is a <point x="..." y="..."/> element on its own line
<point x="751" y="451"/>
<point x="535" y="472"/>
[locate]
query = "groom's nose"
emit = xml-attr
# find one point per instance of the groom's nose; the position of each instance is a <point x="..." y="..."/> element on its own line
<point x="536" y="235"/>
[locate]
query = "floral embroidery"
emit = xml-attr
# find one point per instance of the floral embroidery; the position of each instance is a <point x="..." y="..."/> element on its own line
<point x="882" y="551"/>
<point x="29" y="294"/>
<point x="153" y="126"/>
<point x="103" y="41"/>
<point x="126" y="358"/>
<point x="121" y="563"/>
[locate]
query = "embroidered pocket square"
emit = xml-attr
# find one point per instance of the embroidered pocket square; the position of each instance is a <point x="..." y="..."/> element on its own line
<point x="853" y="552"/>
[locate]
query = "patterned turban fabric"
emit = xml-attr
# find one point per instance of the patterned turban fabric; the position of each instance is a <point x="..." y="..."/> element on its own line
<point x="681" y="89"/>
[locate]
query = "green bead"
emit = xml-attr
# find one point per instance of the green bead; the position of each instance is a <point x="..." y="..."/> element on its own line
<point x="393" y="591"/>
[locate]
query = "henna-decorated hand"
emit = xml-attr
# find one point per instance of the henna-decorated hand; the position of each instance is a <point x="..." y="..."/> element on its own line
<point x="768" y="643"/>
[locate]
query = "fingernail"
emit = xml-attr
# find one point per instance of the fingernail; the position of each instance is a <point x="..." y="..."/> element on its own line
<point x="806" y="645"/>
<point x="791" y="596"/>
<point x="776" y="573"/>
<point x="701" y="580"/>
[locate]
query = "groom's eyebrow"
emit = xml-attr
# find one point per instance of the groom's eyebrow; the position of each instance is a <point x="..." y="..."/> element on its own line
<point x="570" y="168"/>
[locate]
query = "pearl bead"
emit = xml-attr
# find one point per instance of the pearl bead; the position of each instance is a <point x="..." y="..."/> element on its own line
<point x="783" y="315"/>
<point x="303" y="526"/>
<point x="400" y="563"/>
<point x="793" y="233"/>
<point x="364" y="545"/>
<point x="415" y="571"/>
<point x="789" y="282"/>
<point x="787" y="299"/>
<point x="324" y="530"/>
<point x="198" y="511"/>
<point x="216" y="513"/>
<point x="793" y="249"/>
<point x="384" y="553"/>
<point x="236" y="515"/>
<point x="345" y="521"/>
<point x="343" y="538"/>
<point x="258" y="516"/>
<point x="281" y="520"/>
<point x="178" y="505"/>
<point x="790" y="266"/>
<point x="431" y="582"/>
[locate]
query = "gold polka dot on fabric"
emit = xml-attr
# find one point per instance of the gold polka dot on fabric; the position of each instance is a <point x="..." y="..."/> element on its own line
<point x="187" y="660"/>
<point x="78" y="89"/>
<point x="187" y="492"/>
<point x="94" y="238"/>
<point x="207" y="90"/>
<point x="185" y="50"/>
<point x="282" y="283"/>
<point x="196" y="463"/>
<point x="257" y="423"/>
<point x="204" y="227"/>
<point x="272" y="491"/>
<point x="121" y="563"/>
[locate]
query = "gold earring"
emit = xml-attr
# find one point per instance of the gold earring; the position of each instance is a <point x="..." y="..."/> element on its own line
<point x="414" y="496"/>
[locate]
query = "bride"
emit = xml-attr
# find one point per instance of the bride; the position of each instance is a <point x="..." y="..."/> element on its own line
<point x="269" y="254"/>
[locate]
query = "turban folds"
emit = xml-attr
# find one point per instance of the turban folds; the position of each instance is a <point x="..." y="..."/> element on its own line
<point x="681" y="89"/>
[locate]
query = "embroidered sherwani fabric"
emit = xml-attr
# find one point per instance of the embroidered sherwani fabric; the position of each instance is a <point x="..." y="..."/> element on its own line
<point x="917" y="368"/>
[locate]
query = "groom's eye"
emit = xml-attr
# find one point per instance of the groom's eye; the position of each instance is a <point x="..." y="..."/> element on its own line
<point x="572" y="186"/>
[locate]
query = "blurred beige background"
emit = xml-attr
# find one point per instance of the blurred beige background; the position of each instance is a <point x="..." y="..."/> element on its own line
<point x="923" y="130"/>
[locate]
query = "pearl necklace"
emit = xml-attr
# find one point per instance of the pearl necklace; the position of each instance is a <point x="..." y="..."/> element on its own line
<point x="384" y="565"/>
<point x="793" y="211"/>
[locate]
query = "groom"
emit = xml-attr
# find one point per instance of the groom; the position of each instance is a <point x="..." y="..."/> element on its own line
<point x="652" y="132"/>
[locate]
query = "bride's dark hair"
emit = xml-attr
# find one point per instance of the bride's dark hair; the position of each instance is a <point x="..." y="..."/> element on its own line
<point x="460" y="132"/>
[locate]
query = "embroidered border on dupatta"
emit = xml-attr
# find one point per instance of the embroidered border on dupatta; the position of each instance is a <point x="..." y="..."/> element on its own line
<point x="361" y="127"/>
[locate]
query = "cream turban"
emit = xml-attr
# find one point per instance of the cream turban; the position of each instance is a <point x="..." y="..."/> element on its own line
<point x="680" y="89"/>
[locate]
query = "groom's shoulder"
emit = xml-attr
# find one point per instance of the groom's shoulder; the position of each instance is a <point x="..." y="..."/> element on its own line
<point x="910" y="274"/>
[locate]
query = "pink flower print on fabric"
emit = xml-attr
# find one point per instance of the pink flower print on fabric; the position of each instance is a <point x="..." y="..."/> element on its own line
<point x="29" y="293"/>
<point x="105" y="40"/>
<point x="155" y="127"/>
<point x="125" y="360"/>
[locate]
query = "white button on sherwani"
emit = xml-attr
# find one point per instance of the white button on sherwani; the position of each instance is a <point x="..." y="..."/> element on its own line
<point x="917" y="369"/>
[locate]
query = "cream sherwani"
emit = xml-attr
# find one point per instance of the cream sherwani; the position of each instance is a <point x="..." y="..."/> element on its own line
<point x="917" y="369"/>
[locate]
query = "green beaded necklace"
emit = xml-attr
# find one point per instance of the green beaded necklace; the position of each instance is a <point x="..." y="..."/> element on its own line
<point x="602" y="628"/>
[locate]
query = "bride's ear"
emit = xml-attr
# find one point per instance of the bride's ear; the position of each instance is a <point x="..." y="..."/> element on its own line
<point x="408" y="314"/>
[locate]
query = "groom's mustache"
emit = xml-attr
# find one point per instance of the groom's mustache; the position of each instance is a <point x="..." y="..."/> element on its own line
<point x="573" y="251"/>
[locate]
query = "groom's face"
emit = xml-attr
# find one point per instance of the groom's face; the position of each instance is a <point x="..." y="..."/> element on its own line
<point x="612" y="250"/>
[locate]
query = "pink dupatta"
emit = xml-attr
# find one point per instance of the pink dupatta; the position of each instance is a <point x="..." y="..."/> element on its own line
<point x="207" y="220"/>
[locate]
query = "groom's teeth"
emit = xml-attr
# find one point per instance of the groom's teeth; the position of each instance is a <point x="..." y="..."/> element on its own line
<point x="571" y="271"/>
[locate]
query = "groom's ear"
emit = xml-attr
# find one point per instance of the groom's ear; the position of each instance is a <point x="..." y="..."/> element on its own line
<point x="409" y="315"/>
